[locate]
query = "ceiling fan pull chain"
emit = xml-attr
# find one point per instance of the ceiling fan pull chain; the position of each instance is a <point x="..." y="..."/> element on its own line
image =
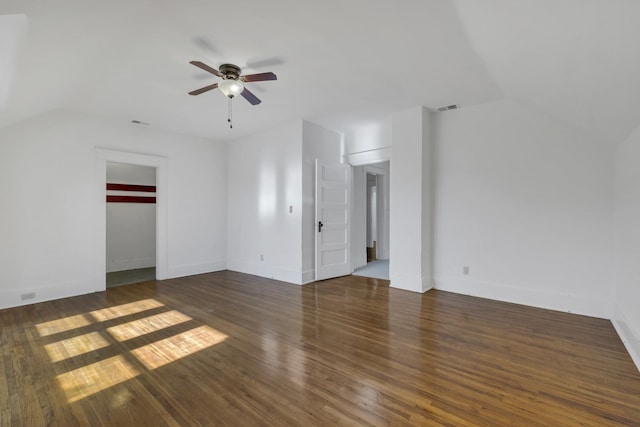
<point x="229" y="118"/>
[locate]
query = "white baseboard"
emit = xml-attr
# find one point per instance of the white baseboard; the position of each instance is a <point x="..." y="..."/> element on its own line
<point x="276" y="273"/>
<point x="558" y="301"/>
<point x="308" y="276"/>
<point x="409" y="283"/>
<point x="193" y="269"/>
<point x="629" y="337"/>
<point x="12" y="297"/>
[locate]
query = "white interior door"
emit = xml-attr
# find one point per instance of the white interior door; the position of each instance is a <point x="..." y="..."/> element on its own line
<point x="332" y="220"/>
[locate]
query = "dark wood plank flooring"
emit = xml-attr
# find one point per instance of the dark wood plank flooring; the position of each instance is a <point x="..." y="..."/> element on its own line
<point x="228" y="349"/>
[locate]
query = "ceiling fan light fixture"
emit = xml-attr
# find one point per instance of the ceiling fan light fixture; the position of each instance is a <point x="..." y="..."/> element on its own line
<point x="231" y="83"/>
<point x="231" y="87"/>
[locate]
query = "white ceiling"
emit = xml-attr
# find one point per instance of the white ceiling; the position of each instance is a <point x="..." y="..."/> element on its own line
<point x="341" y="64"/>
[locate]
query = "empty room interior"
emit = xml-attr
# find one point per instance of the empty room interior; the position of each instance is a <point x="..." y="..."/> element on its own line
<point x="244" y="213"/>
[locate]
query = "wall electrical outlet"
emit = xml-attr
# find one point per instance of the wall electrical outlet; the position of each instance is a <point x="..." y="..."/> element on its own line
<point x="261" y="257"/>
<point x="465" y="270"/>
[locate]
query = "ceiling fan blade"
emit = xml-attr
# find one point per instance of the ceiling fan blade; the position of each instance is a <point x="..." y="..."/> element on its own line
<point x="259" y="77"/>
<point x="253" y="100"/>
<point x="205" y="67"/>
<point x="203" y="89"/>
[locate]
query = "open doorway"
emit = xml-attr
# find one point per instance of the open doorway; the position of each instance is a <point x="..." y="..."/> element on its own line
<point x="130" y="224"/>
<point x="371" y="220"/>
<point x="372" y="215"/>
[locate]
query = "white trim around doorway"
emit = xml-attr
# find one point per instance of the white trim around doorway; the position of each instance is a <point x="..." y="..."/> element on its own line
<point x="160" y="163"/>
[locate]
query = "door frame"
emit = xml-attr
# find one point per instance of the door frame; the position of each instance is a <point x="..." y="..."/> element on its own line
<point x="382" y="175"/>
<point x="369" y="158"/>
<point x="162" y="250"/>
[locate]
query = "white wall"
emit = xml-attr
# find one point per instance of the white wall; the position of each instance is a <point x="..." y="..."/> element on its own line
<point x="411" y="195"/>
<point x="525" y="202"/>
<point x="326" y="146"/>
<point x="626" y="315"/>
<point x="272" y="201"/>
<point x="265" y="179"/>
<point x="369" y="136"/>
<point x="12" y="28"/>
<point x="131" y="227"/>
<point x="369" y="143"/>
<point x="51" y="233"/>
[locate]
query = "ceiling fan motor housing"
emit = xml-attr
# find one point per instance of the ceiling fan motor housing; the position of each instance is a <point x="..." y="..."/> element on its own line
<point x="230" y="71"/>
<point x="232" y="83"/>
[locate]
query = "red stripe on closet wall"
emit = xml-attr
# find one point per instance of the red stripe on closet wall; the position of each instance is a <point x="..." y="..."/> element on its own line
<point x="131" y="187"/>
<point x="130" y="199"/>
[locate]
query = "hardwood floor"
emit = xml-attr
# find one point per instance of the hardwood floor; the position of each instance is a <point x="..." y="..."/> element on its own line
<point x="236" y="350"/>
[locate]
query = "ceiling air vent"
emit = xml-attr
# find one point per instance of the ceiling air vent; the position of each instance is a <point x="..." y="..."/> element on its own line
<point x="138" y="122"/>
<point x="449" y="107"/>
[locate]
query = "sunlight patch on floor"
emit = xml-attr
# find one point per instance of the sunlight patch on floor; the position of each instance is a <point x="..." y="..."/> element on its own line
<point x="96" y="377"/>
<point x="75" y="346"/>
<point x="140" y="327"/>
<point x="91" y="379"/>
<point x="125" y="309"/>
<point x="62" y="325"/>
<point x="170" y="349"/>
<point x="79" y="320"/>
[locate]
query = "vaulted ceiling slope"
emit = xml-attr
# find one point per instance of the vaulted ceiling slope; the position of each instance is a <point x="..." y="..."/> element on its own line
<point x="339" y="64"/>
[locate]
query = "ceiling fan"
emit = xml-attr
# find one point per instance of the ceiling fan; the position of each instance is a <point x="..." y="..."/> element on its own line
<point x="232" y="83"/>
